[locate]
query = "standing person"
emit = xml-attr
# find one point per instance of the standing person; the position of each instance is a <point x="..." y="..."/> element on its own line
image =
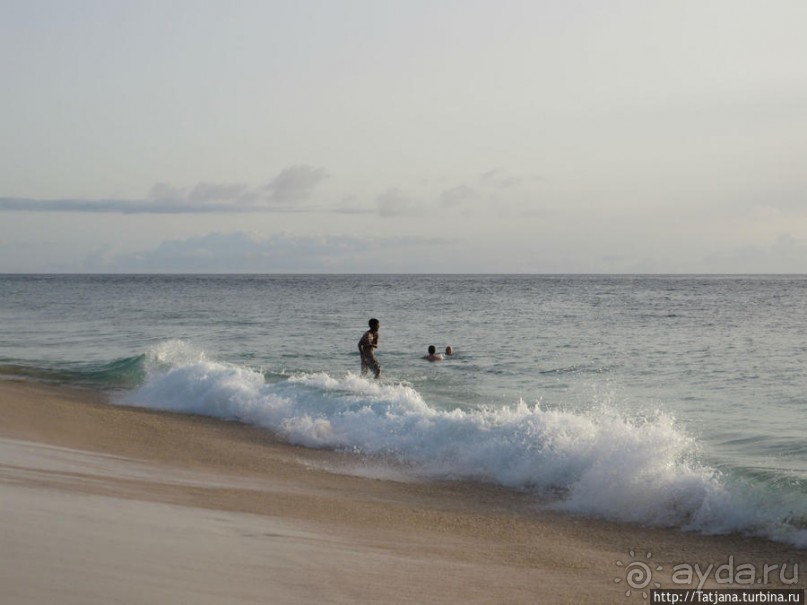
<point x="367" y="346"/>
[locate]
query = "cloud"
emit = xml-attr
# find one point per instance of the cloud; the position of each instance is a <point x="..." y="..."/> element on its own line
<point x="351" y="205"/>
<point x="395" y="203"/>
<point x="497" y="190"/>
<point x="295" y="183"/>
<point x="211" y="193"/>
<point x="287" y="192"/>
<point x="457" y="196"/>
<point x="242" y="252"/>
<point x="499" y="179"/>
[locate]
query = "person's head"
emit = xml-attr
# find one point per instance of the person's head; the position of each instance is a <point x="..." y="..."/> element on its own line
<point x="449" y="351"/>
<point x="432" y="349"/>
<point x="374" y="324"/>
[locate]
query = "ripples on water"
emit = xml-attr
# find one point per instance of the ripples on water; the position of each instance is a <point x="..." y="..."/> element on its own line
<point x="719" y="361"/>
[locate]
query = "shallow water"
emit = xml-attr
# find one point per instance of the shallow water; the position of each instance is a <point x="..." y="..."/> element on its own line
<point x="668" y="400"/>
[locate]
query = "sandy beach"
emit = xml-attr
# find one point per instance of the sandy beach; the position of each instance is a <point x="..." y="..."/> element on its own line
<point x="109" y="504"/>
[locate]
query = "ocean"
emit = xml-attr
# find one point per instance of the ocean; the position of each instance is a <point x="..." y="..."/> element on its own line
<point x="674" y="401"/>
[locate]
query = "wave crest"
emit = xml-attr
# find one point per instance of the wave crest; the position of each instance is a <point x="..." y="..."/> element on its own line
<point x="599" y="463"/>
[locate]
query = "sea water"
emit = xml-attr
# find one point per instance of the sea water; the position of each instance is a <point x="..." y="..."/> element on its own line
<point x="664" y="400"/>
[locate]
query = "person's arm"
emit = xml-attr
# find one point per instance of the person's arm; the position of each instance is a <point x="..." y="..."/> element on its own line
<point x="366" y="341"/>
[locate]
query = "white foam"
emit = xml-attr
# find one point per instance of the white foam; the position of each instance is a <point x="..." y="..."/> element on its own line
<point x="601" y="463"/>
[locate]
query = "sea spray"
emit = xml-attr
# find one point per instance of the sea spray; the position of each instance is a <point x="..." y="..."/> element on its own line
<point x="599" y="463"/>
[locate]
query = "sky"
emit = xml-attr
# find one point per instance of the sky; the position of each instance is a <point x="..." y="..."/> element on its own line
<point x="403" y="136"/>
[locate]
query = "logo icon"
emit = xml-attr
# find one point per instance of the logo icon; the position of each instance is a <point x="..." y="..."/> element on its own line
<point x="638" y="574"/>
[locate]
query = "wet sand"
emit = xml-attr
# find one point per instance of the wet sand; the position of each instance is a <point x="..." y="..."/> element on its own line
<point x="108" y="504"/>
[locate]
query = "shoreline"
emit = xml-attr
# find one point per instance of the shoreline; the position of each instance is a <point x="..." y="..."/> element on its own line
<point x="352" y="535"/>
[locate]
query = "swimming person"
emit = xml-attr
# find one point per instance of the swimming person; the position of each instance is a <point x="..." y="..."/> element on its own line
<point x="433" y="356"/>
<point x="367" y="346"/>
<point x="449" y="351"/>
